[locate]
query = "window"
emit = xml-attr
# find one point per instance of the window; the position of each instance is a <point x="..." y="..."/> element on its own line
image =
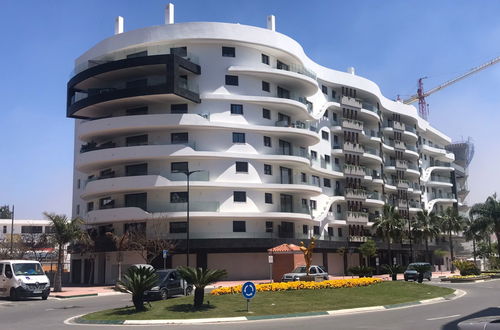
<point x="333" y="94"/>
<point x="178" y="227"/>
<point x="303" y="177"/>
<point x="265" y="59"/>
<point x="266" y="87"/>
<point x="268" y="169"/>
<point x="106" y="203"/>
<point x="180" y="51"/>
<point x="241" y="167"/>
<point x="138" y="83"/>
<point x="327" y="159"/>
<point x="136" y="111"/>
<point x="283" y="93"/>
<point x="334" y="116"/>
<point x="316" y="230"/>
<point x="312" y="203"/>
<point x="305" y="229"/>
<point x="282" y="66"/>
<point x="179" y="108"/>
<point x="232" y="80"/>
<point x="330" y="231"/>
<point x="90" y="206"/>
<point x="179" y="138"/>
<point x="78" y="183"/>
<point x="267" y="141"/>
<point x="138" y="54"/>
<point x="269" y="226"/>
<point x="339" y="209"/>
<point x="238" y="137"/>
<point x="268" y="198"/>
<point x="339" y="232"/>
<point x="179" y="167"/>
<point x="325" y="114"/>
<point x="228" y="52"/>
<point x="139" y="169"/>
<point x="135" y="227"/>
<point x="31" y="229"/>
<point x="239" y="226"/>
<point x="266" y="113"/>
<point x="314" y="154"/>
<point x="78" y="209"/>
<point x="324" y="135"/>
<point x="327" y="183"/>
<point x="4" y="230"/>
<point x="239" y="196"/>
<point x="178" y="197"/>
<point x="236" y="109"/>
<point x="139" y="200"/>
<point x="315" y="181"/>
<point x="138" y="140"/>
<point x="324" y="89"/>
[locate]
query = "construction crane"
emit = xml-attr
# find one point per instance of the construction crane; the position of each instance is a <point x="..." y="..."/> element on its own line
<point x="423" y="107"/>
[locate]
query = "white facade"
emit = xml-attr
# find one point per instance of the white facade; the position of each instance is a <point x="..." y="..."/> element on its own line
<point x="318" y="151"/>
<point x="23" y="227"/>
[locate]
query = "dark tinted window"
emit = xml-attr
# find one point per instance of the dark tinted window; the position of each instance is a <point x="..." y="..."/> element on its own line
<point x="266" y="87"/>
<point x="177" y="167"/>
<point x="138" y="140"/>
<point x="137" y="200"/>
<point x="232" y="80"/>
<point x="181" y="51"/>
<point x="265" y="59"/>
<point x="239" y="196"/>
<point x="228" y="52"/>
<point x="237" y="109"/>
<point x="179" y="138"/>
<point x="268" y="198"/>
<point x="266" y="113"/>
<point x="179" y="108"/>
<point x="268" y="169"/>
<point x="238" y="137"/>
<point x="267" y="141"/>
<point x="269" y="226"/>
<point x="178" y="197"/>
<point x="241" y="167"/>
<point x="178" y="227"/>
<point x="139" y="169"/>
<point x="239" y="226"/>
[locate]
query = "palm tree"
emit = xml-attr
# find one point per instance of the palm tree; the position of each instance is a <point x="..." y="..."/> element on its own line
<point x="488" y="215"/>
<point x="451" y="222"/>
<point x="200" y="278"/>
<point x="426" y="228"/>
<point x="63" y="231"/>
<point x="136" y="281"/>
<point x="388" y="225"/>
<point x="472" y="232"/>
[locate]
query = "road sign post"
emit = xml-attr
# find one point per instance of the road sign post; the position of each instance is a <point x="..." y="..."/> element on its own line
<point x="271" y="260"/>
<point x="165" y="255"/>
<point x="248" y="291"/>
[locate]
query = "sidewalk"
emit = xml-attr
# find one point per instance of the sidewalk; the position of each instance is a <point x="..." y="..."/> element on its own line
<point x="79" y="291"/>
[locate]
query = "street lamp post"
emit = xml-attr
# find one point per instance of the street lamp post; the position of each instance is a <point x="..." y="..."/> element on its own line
<point x="409" y="228"/>
<point x="188" y="174"/>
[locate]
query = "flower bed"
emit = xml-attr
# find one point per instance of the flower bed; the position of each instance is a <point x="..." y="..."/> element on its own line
<point x="467" y="278"/>
<point x="301" y="285"/>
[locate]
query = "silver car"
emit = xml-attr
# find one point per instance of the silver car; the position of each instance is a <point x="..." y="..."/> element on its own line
<point x="297" y="273"/>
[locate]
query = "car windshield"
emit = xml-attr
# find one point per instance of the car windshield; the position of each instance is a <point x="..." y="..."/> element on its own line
<point x="161" y="276"/>
<point x="28" y="269"/>
<point x="301" y="269"/>
<point x="412" y="266"/>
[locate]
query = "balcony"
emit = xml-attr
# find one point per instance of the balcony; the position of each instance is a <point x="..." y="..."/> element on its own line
<point x="355" y="193"/>
<point x="358" y="239"/>
<point x="352" y="124"/>
<point x="350" y="101"/>
<point x="402" y="184"/>
<point x="415" y="204"/>
<point x="372" y="151"/>
<point x="401" y="164"/>
<point x="370" y="107"/>
<point x="194" y="206"/>
<point x="399" y="144"/>
<point x="403" y="204"/>
<point x="398" y="125"/>
<point x="441" y="196"/>
<point x="443" y="179"/>
<point x="296" y="124"/>
<point x="285" y="94"/>
<point x="353" y="147"/>
<point x="375" y="195"/>
<point x="353" y="216"/>
<point x="354" y="170"/>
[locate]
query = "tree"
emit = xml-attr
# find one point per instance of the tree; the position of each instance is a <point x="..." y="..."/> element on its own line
<point x="472" y="233"/>
<point x="122" y="243"/>
<point x="35" y="244"/>
<point x="451" y="222"/>
<point x="426" y="228"/>
<point x="136" y="281"/>
<point x="5" y="212"/>
<point x="200" y="278"/>
<point x="487" y="215"/>
<point x="63" y="231"/>
<point x="151" y="244"/>
<point x="86" y="245"/>
<point x="368" y="249"/>
<point x="388" y="226"/>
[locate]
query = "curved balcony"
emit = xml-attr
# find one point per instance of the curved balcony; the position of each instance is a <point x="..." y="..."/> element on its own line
<point x="295" y="78"/>
<point x="438" y="152"/>
<point x="298" y="107"/>
<point x="439" y="181"/>
<point x="173" y="181"/>
<point x="114" y="126"/>
<point x="436" y="166"/>
<point x="103" y="86"/>
<point x="445" y="198"/>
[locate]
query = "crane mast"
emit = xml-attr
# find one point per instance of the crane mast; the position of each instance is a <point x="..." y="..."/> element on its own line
<point x="423" y="107"/>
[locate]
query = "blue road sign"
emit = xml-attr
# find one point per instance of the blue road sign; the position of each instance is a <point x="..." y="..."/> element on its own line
<point x="248" y="290"/>
<point x="165" y="254"/>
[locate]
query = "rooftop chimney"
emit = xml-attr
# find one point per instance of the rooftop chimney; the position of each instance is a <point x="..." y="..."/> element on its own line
<point x="169" y="14"/>
<point x="119" y="25"/>
<point x="351" y="70"/>
<point x="271" y="22"/>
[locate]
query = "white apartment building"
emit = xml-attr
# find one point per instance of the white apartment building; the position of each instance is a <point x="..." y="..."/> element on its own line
<point x="287" y="149"/>
<point x="22" y="227"/>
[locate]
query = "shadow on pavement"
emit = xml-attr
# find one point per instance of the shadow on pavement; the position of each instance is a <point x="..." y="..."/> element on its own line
<point x="492" y="311"/>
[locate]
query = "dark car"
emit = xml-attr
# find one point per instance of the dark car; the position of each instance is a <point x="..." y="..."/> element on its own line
<point x="412" y="274"/>
<point x="170" y="283"/>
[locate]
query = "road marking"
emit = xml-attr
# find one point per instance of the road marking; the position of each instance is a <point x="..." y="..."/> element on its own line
<point x="443" y="317"/>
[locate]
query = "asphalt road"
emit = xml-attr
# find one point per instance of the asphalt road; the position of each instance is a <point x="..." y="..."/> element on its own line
<point x="482" y="299"/>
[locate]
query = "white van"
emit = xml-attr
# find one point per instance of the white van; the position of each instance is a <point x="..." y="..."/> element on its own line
<point x="23" y="278"/>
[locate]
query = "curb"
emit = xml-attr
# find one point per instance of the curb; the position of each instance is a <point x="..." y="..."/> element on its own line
<point x="100" y="294"/>
<point x="455" y="295"/>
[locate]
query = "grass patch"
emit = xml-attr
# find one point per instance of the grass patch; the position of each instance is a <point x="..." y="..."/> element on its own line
<point x="283" y="302"/>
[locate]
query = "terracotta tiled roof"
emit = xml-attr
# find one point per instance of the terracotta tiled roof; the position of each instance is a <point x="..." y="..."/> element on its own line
<point x="284" y="248"/>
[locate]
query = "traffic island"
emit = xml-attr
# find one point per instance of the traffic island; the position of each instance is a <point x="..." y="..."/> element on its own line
<point x="273" y="304"/>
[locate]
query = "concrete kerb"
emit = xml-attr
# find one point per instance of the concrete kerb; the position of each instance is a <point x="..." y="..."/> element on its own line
<point x="455" y="295"/>
<point x="100" y="294"/>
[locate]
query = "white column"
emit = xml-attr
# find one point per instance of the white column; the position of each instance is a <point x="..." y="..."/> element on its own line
<point x="271" y="22"/>
<point x="119" y="25"/>
<point x="169" y="14"/>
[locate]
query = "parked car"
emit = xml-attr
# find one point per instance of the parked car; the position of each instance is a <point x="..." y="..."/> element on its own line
<point x="300" y="271"/>
<point x="170" y="283"/>
<point x="480" y="323"/>
<point x="411" y="273"/>
<point x="23" y="278"/>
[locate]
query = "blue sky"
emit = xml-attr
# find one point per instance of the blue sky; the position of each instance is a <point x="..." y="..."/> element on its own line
<point x="390" y="42"/>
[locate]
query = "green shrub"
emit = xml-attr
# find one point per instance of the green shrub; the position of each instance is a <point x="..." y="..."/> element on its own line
<point x="467" y="267"/>
<point x="361" y="271"/>
<point x="393" y="269"/>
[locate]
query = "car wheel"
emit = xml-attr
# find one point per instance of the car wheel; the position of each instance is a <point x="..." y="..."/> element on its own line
<point x="406" y="279"/>
<point x="13" y="294"/>
<point x="163" y="294"/>
<point x="45" y="296"/>
<point x="189" y="290"/>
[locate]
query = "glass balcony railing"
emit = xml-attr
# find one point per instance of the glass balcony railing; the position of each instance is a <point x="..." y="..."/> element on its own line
<point x="442" y="196"/>
<point x="91" y="146"/>
<point x="353" y="124"/>
<point x="440" y="179"/>
<point x="296" y="124"/>
<point x="297" y="69"/>
<point x="372" y="151"/>
<point x="194" y="206"/>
